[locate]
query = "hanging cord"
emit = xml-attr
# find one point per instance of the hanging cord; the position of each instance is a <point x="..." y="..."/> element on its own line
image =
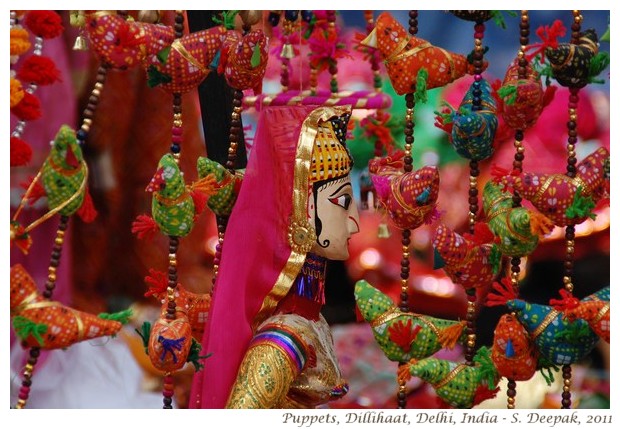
<point x="406" y="234"/>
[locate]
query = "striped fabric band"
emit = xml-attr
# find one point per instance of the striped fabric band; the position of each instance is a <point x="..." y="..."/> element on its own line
<point x="284" y="338"/>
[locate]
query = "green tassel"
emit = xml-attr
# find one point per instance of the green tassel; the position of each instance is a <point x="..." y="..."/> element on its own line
<point x="227" y="20"/>
<point x="597" y="64"/>
<point x="605" y="36"/>
<point x="488" y="372"/>
<point x="547" y="373"/>
<point x="155" y="77"/>
<point x="574" y="332"/>
<point x="121" y="316"/>
<point x="495" y="258"/>
<point x="420" y="86"/>
<point x="508" y="91"/>
<point x="25" y="327"/>
<point x="581" y="206"/>
<point x="145" y="334"/>
<point x="162" y="55"/>
<point x="438" y="261"/>
<point x="194" y="355"/>
<point x="255" y="60"/>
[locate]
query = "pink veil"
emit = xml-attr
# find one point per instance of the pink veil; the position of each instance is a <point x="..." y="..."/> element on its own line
<point x="256" y="250"/>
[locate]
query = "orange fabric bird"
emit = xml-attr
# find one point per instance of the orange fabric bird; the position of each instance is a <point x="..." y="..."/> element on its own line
<point x="406" y="56"/>
<point x="49" y="325"/>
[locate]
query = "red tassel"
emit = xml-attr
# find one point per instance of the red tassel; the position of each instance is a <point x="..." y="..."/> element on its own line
<point x="549" y="37"/>
<point x="21" y="152"/>
<point x="568" y="301"/>
<point x="482" y="234"/>
<point x="157" y="282"/>
<point x="44" y="23"/>
<point x="200" y="201"/>
<point x="549" y="95"/>
<point x="505" y="293"/>
<point x="37" y="191"/>
<point x="20" y="237"/>
<point x="483" y="393"/>
<point x="403" y="335"/>
<point x="40" y="70"/>
<point x="495" y="86"/>
<point x="28" y="109"/>
<point x="127" y="38"/>
<point x="440" y="121"/>
<point x="144" y="227"/>
<point x="87" y="211"/>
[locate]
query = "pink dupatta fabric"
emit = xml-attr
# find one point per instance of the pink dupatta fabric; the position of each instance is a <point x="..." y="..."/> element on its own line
<point x="254" y="253"/>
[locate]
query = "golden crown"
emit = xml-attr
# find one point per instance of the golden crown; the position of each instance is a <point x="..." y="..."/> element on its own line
<point x="330" y="158"/>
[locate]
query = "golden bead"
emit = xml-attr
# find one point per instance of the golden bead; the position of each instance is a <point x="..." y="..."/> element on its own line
<point x="96" y="92"/>
<point x="51" y="270"/>
<point x="520" y="149"/>
<point x="511" y="400"/>
<point x="511" y="406"/>
<point x="28" y="368"/>
<point x="51" y="277"/>
<point x="471" y="337"/>
<point x="21" y="403"/>
<point x="471" y="344"/>
<point x="567" y="382"/>
<point x="85" y="128"/>
<point x="572" y="154"/>
<point x="177" y="123"/>
<point x="570" y="249"/>
<point x="573" y="117"/>
<point x="521" y="54"/>
<point x="234" y="115"/>
<point x="58" y="241"/>
<point x="232" y="150"/>
<point x="566" y="279"/>
<point x="234" y="145"/>
<point x="98" y="86"/>
<point x="177" y="157"/>
<point x="87" y="121"/>
<point x="569" y="287"/>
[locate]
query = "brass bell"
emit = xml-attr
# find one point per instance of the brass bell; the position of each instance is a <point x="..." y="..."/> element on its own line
<point x="383" y="231"/>
<point x="80" y="44"/>
<point x="287" y="51"/>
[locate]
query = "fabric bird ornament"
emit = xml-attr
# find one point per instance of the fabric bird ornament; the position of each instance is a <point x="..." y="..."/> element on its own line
<point x="594" y="309"/>
<point x="517" y="228"/>
<point x="173" y="209"/>
<point x="472" y="132"/>
<point x="64" y="176"/>
<point x="122" y="44"/>
<point x="576" y="65"/>
<point x="513" y="353"/>
<point x="523" y="100"/>
<point x="469" y="260"/>
<point x="457" y="385"/>
<point x="410" y="198"/>
<point x="404" y="336"/>
<point x="413" y="61"/>
<point x="194" y="305"/>
<point x="559" y="341"/>
<point x="227" y="185"/>
<point x="562" y="199"/>
<point x="49" y="325"/>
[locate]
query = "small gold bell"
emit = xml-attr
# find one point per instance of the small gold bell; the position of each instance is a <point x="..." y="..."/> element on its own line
<point x="80" y="44"/>
<point x="287" y="51"/>
<point x="383" y="231"/>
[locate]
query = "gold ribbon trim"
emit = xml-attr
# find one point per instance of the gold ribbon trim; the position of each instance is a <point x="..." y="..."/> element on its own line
<point x="178" y="46"/>
<point x="451" y="376"/>
<point x="601" y="313"/>
<point x="546" y="322"/>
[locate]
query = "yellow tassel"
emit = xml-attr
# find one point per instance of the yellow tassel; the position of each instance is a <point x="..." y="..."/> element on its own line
<point x="17" y="92"/>
<point x="207" y="185"/>
<point x="448" y="337"/>
<point x="540" y="224"/>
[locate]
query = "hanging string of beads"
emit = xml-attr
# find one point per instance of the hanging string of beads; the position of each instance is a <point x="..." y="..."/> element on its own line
<point x="287" y="50"/>
<point x="173" y="241"/>
<point x="474" y="172"/>
<point x="571" y="171"/>
<point x="517" y="165"/>
<point x="333" y="66"/>
<point x="406" y="234"/>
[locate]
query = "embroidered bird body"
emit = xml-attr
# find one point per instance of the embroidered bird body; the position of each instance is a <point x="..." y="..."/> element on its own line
<point x="404" y="336"/>
<point x="408" y="58"/>
<point x="49" y="325"/>
<point x="456" y="384"/>
<point x="523" y="99"/>
<point x="409" y="198"/>
<point x="563" y="199"/>
<point x="472" y="130"/>
<point x="180" y="65"/>
<point x="594" y="309"/>
<point x="228" y="185"/>
<point x="64" y="176"/>
<point x="518" y="228"/>
<point x="467" y="261"/>
<point x="513" y="353"/>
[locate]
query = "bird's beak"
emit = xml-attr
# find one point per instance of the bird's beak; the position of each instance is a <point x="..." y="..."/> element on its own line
<point x="371" y="39"/>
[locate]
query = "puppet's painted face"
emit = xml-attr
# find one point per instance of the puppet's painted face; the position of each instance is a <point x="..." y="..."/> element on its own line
<point x="334" y="214"/>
